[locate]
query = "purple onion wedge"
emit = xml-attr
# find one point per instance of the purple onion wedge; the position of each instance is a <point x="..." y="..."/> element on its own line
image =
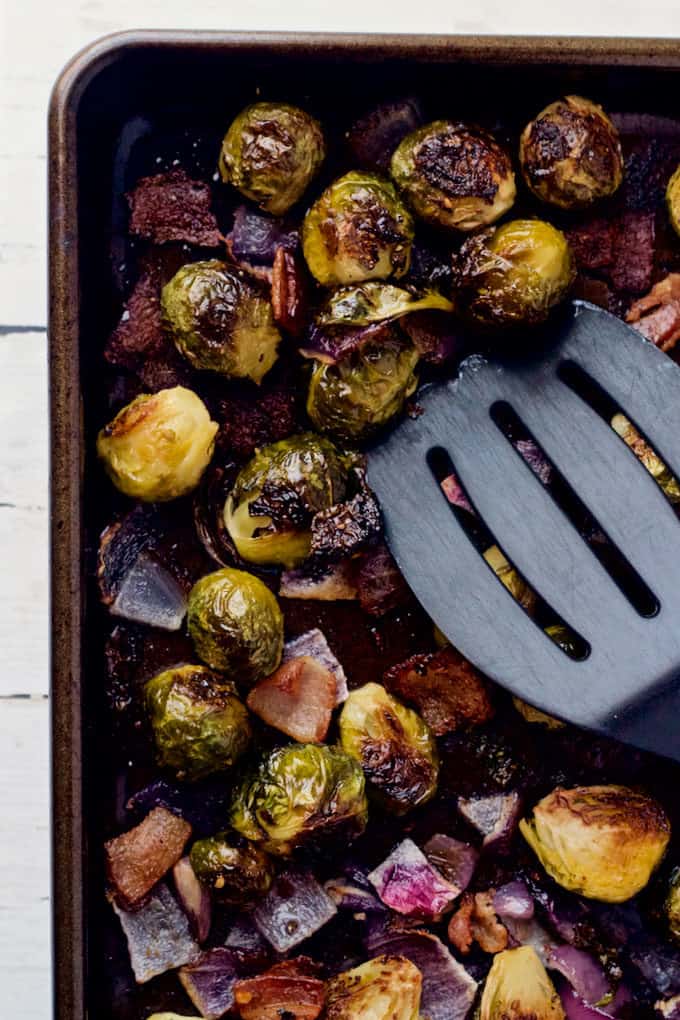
<point x="209" y="982"/>
<point x="494" y="817"/>
<point x="583" y="972"/>
<point x="454" y="860"/>
<point x="295" y="908"/>
<point x="576" y="1009"/>
<point x="314" y="643"/>
<point x="514" y="900"/>
<point x="448" y="990"/>
<point x="158" y="935"/>
<point x="194" y="898"/>
<point x="255" y="236"/>
<point x="408" y="883"/>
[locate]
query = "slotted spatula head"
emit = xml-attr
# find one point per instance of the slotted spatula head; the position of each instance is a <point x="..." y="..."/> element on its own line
<point x="628" y="685"/>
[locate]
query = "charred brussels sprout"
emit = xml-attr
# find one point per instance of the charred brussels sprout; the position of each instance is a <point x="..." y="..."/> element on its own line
<point x="518" y="988"/>
<point x="301" y="795"/>
<point x="673" y="200"/>
<point x="270" y="508"/>
<point x="603" y="842"/>
<point x="199" y="723"/>
<point x="385" y="988"/>
<point x="270" y="153"/>
<point x="514" y="275"/>
<point x="376" y="302"/>
<point x="571" y="154"/>
<point x="661" y="474"/>
<point x="394" y="746"/>
<point x="159" y="445"/>
<point x="355" y="398"/>
<point x="236" y="624"/>
<point x="359" y="229"/>
<point x="235" y="871"/>
<point x="221" y="320"/>
<point x="672" y="904"/>
<point x="454" y="176"/>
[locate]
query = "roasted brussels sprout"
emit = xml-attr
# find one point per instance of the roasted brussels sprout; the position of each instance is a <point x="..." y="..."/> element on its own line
<point x="270" y="153"/>
<point x="535" y="715"/>
<point x="514" y="275"/>
<point x="454" y="176"/>
<point x="359" y="229"/>
<point x="571" y="154"/>
<point x="301" y="795"/>
<point x="375" y="301"/>
<point x="237" y="872"/>
<point x="199" y="723"/>
<point x="603" y="842"/>
<point x="518" y="988"/>
<point x="672" y="904"/>
<point x="356" y="397"/>
<point x="508" y="576"/>
<point x="385" y="988"/>
<point x="673" y="200"/>
<point x="159" y="445"/>
<point x="661" y="474"/>
<point x="236" y="624"/>
<point x="394" y="746"/>
<point x="269" y="510"/>
<point x="221" y="319"/>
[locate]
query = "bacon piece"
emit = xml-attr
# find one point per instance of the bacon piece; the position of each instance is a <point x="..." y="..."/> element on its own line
<point x="290" y="989"/>
<point x="250" y="419"/>
<point x="297" y="699"/>
<point x="476" y="921"/>
<point x="592" y="244"/>
<point x="173" y="207"/>
<point x="139" y="334"/>
<point x="446" y="689"/>
<point x="633" y="252"/>
<point x="138" y="859"/>
<point x="657" y="314"/>
<point x="380" y="584"/>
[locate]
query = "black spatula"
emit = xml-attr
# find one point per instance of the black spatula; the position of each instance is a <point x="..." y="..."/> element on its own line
<point x="628" y="684"/>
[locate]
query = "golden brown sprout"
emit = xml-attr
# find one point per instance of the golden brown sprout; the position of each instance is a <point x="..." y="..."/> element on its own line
<point x="571" y="154"/>
<point x="661" y="474"/>
<point x="385" y="988"/>
<point x="673" y="200"/>
<point x="518" y="988"/>
<point x="509" y="577"/>
<point x="159" y="445"/>
<point x="603" y="842"/>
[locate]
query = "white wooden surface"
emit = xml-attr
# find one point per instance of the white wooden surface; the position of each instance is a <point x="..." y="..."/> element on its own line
<point x="36" y="39"/>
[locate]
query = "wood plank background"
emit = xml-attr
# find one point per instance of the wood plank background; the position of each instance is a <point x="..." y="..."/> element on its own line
<point x="36" y="38"/>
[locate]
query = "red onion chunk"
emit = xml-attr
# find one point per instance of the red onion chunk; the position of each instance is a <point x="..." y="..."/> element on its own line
<point x="295" y="907"/>
<point x="149" y="594"/>
<point x="529" y="933"/>
<point x="494" y="817"/>
<point x="582" y="971"/>
<point x="348" y="896"/>
<point x="407" y="882"/>
<point x="448" y="990"/>
<point x="209" y="982"/>
<point x="373" y="138"/>
<point x="576" y="1009"/>
<point x="534" y="457"/>
<point x="669" y="1009"/>
<point x="314" y="643"/>
<point x="158" y="935"/>
<point x="194" y="898"/>
<point x="251" y="948"/>
<point x="256" y="236"/>
<point x="514" y="900"/>
<point x="454" y="860"/>
<point x="455" y="494"/>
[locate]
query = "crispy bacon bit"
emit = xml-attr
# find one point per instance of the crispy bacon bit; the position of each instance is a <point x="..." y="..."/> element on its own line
<point x="290" y="292"/>
<point x="138" y="859"/>
<point x="291" y="989"/>
<point x="297" y="699"/>
<point x="592" y="244"/>
<point x="139" y="334"/>
<point x="633" y="254"/>
<point x="173" y="207"/>
<point x="476" y="921"/>
<point x="657" y="314"/>
<point x="446" y="689"/>
<point x="381" y="587"/>
<point x="250" y="419"/>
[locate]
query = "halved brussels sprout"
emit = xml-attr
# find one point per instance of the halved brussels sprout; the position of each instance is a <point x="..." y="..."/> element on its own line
<point x="394" y="746"/>
<point x="673" y="200"/>
<point x="270" y="153"/>
<point x="354" y="398"/>
<point x="235" y="871"/>
<point x="385" y="988"/>
<point x="269" y="510"/>
<point x="359" y="229"/>
<point x="454" y="176"/>
<point x="236" y="624"/>
<point x="301" y="795"/>
<point x="602" y="842"/>
<point x="661" y="474"/>
<point x="159" y="445"/>
<point x="374" y="301"/>
<point x="199" y="723"/>
<point x="221" y="320"/>
<point x="571" y="154"/>
<point x="672" y="904"/>
<point x="515" y="274"/>
<point x="518" y="988"/>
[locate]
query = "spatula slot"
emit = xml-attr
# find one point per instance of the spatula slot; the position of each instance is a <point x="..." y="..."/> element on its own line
<point x="492" y="554"/>
<point x="612" y="559"/>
